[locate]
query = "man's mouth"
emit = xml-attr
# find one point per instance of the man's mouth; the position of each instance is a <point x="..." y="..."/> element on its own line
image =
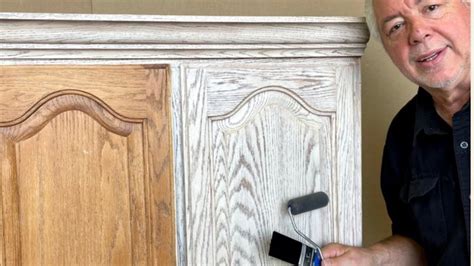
<point x="428" y="57"/>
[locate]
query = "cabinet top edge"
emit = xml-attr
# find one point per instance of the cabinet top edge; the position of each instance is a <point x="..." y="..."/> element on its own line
<point x="178" y="19"/>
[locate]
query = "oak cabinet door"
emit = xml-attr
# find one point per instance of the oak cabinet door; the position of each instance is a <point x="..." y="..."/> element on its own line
<point x="256" y="135"/>
<point x="85" y="166"/>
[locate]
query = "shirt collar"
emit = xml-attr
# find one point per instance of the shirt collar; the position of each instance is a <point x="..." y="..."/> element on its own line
<point x="427" y="120"/>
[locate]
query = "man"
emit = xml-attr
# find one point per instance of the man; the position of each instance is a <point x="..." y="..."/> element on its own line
<point x="426" y="164"/>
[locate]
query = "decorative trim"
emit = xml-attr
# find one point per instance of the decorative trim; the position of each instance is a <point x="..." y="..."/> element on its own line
<point x="164" y="18"/>
<point x="61" y="101"/>
<point x="80" y="36"/>
<point x="292" y="98"/>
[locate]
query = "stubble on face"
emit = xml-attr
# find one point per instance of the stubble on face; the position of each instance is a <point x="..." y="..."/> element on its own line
<point x="428" y="78"/>
<point x="448" y="32"/>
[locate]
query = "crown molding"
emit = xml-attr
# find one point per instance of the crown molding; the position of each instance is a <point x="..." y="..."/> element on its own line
<point x="87" y="36"/>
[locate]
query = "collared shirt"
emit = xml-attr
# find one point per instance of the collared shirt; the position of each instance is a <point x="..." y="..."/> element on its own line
<point x="426" y="180"/>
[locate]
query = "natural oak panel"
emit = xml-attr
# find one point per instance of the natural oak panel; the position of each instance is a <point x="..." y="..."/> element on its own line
<point x="81" y="183"/>
<point x="84" y="204"/>
<point x="121" y="90"/>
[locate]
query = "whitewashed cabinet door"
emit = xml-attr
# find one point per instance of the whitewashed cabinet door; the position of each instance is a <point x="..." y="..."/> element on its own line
<point x="257" y="134"/>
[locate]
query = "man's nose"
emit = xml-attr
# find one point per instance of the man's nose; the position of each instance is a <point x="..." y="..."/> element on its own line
<point x="419" y="32"/>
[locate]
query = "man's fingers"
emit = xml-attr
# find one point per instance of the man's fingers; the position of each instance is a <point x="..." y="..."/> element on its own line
<point x="333" y="250"/>
<point x="327" y="262"/>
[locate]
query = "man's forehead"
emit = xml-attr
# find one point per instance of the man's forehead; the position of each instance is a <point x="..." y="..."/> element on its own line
<point x="393" y="7"/>
<point x="382" y="3"/>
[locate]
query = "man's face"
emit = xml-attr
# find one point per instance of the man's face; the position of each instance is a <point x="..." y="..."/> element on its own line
<point x="428" y="40"/>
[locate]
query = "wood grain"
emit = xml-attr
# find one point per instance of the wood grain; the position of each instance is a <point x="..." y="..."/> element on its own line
<point x="348" y="166"/>
<point x="160" y="164"/>
<point x="210" y="33"/>
<point x="316" y="84"/>
<point x="77" y="212"/>
<point x="33" y="83"/>
<point x="173" y="52"/>
<point x="255" y="138"/>
<point x="279" y="100"/>
<point x="256" y="172"/>
<point x="10" y="201"/>
<point x="178" y="19"/>
<point x="104" y="196"/>
<point x="59" y="36"/>
<point x="32" y="121"/>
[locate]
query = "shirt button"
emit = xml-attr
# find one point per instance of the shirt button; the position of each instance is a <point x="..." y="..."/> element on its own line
<point x="464" y="145"/>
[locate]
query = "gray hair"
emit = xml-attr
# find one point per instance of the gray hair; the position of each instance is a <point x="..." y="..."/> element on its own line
<point x="372" y="22"/>
<point x="370" y="19"/>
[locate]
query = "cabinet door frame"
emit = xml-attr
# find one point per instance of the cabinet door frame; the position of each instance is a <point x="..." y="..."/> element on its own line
<point x="345" y="106"/>
<point x="142" y="116"/>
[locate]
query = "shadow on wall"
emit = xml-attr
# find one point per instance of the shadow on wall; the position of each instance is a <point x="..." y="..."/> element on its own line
<point x="384" y="92"/>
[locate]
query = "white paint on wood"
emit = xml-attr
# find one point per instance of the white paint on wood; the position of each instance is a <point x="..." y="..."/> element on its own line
<point x="349" y="190"/>
<point x="256" y="146"/>
<point x="181" y="46"/>
<point x="179" y="19"/>
<point x="177" y="52"/>
<point x="83" y="36"/>
<point x="264" y="109"/>
<point x="178" y="163"/>
<point x="84" y="32"/>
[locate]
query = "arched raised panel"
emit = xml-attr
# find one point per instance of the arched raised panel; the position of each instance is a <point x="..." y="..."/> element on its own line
<point x="256" y="137"/>
<point x="74" y="186"/>
<point x="270" y="150"/>
<point x="32" y="121"/>
<point x="81" y="183"/>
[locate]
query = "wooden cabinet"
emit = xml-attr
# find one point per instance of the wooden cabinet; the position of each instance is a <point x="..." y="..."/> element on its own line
<point x="86" y="174"/>
<point x="257" y="136"/>
<point x="175" y="140"/>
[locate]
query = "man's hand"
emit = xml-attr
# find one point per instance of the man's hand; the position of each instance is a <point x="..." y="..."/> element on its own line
<point x="395" y="250"/>
<point x="337" y="254"/>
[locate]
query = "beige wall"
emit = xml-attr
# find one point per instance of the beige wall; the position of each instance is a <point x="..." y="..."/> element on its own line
<point x="384" y="90"/>
<point x="191" y="7"/>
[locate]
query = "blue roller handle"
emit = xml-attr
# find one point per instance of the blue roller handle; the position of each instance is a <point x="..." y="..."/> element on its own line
<point x="317" y="259"/>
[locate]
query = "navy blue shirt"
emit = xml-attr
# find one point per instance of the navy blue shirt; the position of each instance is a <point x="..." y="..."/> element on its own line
<point x="425" y="180"/>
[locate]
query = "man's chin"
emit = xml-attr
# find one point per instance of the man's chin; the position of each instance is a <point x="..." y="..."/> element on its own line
<point x="434" y="83"/>
<point x="439" y="85"/>
<point x="439" y="81"/>
<point x="443" y="78"/>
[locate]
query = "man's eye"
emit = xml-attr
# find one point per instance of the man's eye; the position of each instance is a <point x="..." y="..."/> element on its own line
<point x="432" y="8"/>
<point x="396" y="27"/>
